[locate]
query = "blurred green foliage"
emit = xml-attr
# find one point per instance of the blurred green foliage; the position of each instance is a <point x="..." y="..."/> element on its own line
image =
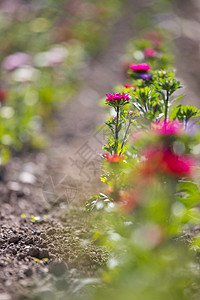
<point x="44" y="46"/>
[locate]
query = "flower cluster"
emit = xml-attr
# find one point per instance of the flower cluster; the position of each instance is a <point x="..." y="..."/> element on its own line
<point x="151" y="196"/>
<point x="130" y="112"/>
<point x="117" y="99"/>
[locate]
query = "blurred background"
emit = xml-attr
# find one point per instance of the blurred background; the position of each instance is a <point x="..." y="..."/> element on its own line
<point x="49" y="50"/>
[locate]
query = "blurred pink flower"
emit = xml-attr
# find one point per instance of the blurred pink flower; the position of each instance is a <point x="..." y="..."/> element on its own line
<point x="177" y="165"/>
<point x="150" y="52"/>
<point x="155" y="37"/>
<point x="10" y="6"/>
<point x="52" y="58"/>
<point x="140" y="67"/>
<point x="167" y="128"/>
<point x="16" y="60"/>
<point x="166" y="162"/>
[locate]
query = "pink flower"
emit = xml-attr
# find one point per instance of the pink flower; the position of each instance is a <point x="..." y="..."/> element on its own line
<point x="166" y="162"/>
<point x="16" y="60"/>
<point x="150" y="52"/>
<point x="177" y="165"/>
<point x="117" y="98"/>
<point x="113" y="157"/>
<point x="140" y="67"/>
<point x="167" y="128"/>
<point x="155" y="38"/>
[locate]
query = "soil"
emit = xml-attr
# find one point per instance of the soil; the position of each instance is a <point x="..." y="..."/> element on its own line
<point x="45" y="252"/>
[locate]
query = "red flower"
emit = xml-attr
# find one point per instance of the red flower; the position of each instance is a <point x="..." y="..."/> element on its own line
<point x="140" y="67"/>
<point x="166" y="162"/>
<point x="177" y="165"/>
<point x="3" y="95"/>
<point x="113" y="157"/>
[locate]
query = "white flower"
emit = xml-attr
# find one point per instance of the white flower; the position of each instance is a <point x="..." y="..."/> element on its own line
<point x="25" y="74"/>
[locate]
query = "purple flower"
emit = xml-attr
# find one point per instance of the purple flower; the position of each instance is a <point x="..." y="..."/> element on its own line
<point x="146" y="76"/>
<point x="191" y="128"/>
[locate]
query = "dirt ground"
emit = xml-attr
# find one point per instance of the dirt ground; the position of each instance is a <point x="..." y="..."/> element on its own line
<point x="44" y="248"/>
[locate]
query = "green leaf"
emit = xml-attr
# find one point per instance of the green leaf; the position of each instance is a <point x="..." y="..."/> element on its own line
<point x="178" y="98"/>
<point x="91" y="203"/>
<point x="188" y="193"/>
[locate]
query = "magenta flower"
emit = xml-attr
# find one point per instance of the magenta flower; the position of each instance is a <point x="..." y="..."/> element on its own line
<point x="167" y="128"/>
<point x="140" y="67"/>
<point x="117" y="99"/>
<point x="177" y="165"/>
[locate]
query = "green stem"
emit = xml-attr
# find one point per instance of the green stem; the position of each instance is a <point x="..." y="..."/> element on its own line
<point x="125" y="136"/>
<point x="185" y="122"/>
<point x="166" y="105"/>
<point x="116" y="131"/>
